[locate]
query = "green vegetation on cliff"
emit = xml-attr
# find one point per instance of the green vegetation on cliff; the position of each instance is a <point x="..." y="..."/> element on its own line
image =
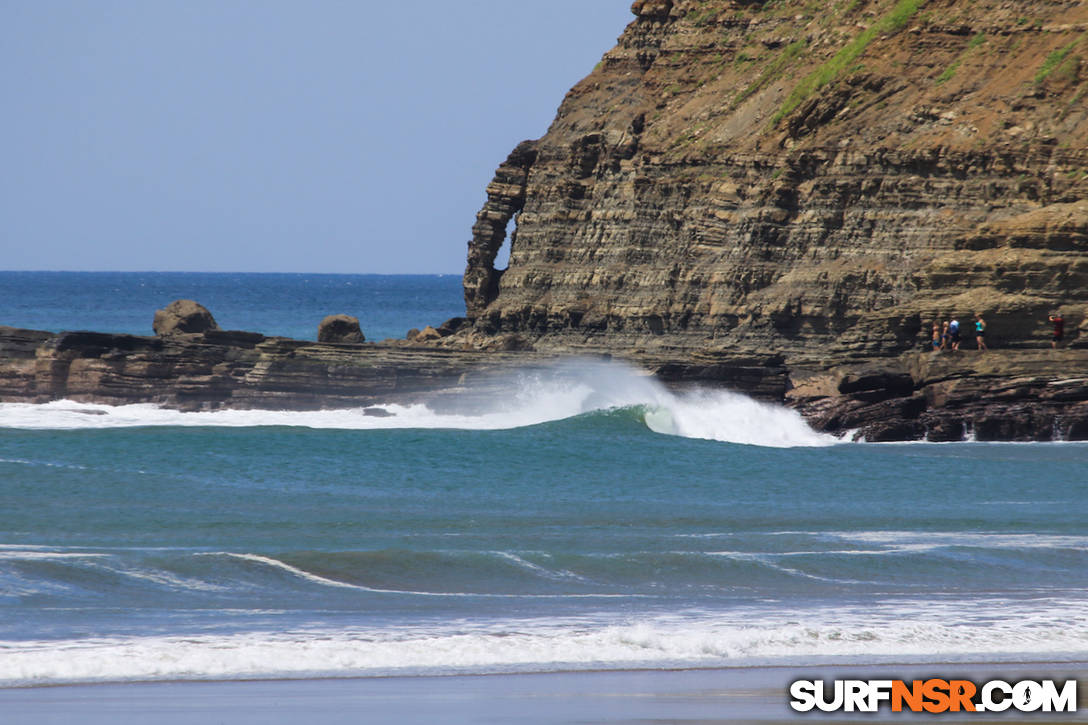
<point x="832" y="69"/>
<point x="772" y="70"/>
<point x="1054" y="60"/>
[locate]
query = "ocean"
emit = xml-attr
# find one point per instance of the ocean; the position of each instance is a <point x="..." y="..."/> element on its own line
<point x="592" y="520"/>
<point x="291" y="305"/>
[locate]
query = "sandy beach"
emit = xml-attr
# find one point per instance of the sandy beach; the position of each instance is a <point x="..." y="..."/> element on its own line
<point x="743" y="695"/>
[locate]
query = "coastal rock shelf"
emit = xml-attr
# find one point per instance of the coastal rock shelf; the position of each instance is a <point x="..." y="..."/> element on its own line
<point x="1002" y="395"/>
<point x="230" y="369"/>
<point x="1025" y="395"/>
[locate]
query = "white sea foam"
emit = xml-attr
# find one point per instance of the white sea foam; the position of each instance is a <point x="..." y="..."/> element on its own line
<point x="7" y="553"/>
<point x="47" y="464"/>
<point x="166" y="579"/>
<point x="902" y="631"/>
<point x="534" y="397"/>
<point x="891" y="542"/>
<point x="928" y="540"/>
<point x="560" y="575"/>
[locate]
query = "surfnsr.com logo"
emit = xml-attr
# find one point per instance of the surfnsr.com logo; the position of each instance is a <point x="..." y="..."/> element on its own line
<point x="933" y="696"/>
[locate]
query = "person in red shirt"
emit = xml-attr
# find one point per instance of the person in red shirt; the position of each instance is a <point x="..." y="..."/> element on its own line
<point x="1059" y="329"/>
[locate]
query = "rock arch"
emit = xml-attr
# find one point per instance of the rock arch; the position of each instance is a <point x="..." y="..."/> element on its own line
<point x="505" y="198"/>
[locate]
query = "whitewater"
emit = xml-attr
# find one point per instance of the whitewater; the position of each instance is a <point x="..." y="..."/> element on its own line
<point x="562" y="391"/>
<point x="745" y="638"/>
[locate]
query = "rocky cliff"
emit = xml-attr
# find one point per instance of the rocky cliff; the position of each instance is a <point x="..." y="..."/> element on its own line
<point x="819" y="181"/>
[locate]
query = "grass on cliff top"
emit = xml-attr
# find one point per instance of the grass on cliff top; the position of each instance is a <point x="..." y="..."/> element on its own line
<point x="831" y="69"/>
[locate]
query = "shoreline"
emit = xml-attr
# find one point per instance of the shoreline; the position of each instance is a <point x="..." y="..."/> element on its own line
<point x="1076" y="662"/>
<point x="742" y="694"/>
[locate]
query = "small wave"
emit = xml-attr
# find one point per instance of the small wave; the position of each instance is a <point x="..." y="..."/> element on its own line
<point x="294" y="571"/>
<point x="891" y="542"/>
<point x="925" y="540"/>
<point x="665" y="575"/>
<point x="526" y="398"/>
<point x="41" y="572"/>
<point x="560" y="575"/>
<point x="766" y="560"/>
<point x="324" y="581"/>
<point x="171" y="581"/>
<point x="16" y="554"/>
<point x="46" y="464"/>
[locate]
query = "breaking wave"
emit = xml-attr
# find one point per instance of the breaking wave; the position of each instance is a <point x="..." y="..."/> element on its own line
<point x="524" y="398"/>
<point x="901" y="632"/>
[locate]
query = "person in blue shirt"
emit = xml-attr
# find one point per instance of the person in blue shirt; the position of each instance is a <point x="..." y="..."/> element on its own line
<point x="980" y="332"/>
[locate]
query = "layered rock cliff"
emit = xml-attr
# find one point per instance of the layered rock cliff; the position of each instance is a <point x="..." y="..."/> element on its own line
<point x="819" y="181"/>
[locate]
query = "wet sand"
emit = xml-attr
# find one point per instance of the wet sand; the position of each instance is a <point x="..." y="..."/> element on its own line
<point x="742" y="695"/>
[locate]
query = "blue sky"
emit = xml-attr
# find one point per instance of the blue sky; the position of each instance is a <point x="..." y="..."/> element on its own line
<point x="272" y="136"/>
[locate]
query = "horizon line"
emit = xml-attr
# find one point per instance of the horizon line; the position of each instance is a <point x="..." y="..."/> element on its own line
<point x="190" y="271"/>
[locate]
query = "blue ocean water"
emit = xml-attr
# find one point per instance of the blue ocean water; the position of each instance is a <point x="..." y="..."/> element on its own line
<point x="590" y="520"/>
<point x="291" y="305"/>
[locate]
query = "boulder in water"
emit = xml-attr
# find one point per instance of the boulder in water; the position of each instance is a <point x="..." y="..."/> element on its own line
<point x="183" y="317"/>
<point x="340" y="328"/>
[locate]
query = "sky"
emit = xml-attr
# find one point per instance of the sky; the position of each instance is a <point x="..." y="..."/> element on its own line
<point x="350" y="136"/>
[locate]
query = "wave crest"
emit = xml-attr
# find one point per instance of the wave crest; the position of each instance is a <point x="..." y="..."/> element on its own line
<point x="523" y="398"/>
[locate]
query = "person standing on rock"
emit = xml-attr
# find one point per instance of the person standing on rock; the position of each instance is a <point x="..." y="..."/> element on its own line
<point x="936" y="338"/>
<point x="946" y="337"/>
<point x="980" y="332"/>
<point x="954" y="330"/>
<point x="1059" y="330"/>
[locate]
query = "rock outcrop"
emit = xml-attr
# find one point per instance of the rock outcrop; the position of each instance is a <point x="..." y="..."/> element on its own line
<point x="231" y="369"/>
<point x="183" y="317"/>
<point x="427" y="334"/>
<point x="1029" y="395"/>
<point x="505" y="199"/>
<point x="816" y="180"/>
<point x="340" y="328"/>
